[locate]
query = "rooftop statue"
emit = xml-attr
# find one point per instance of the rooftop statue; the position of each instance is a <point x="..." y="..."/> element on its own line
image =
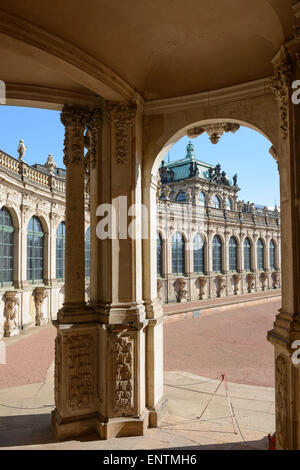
<point x="21" y="149"/>
<point x="163" y="172"/>
<point x="235" y="180"/>
<point x="51" y="164"/>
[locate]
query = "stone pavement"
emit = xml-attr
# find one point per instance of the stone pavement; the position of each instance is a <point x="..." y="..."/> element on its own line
<point x="25" y="421"/>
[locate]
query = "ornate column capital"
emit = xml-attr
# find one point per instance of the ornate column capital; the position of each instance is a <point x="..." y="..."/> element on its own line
<point x="122" y="116"/>
<point x="75" y="119"/>
<point x="74" y="116"/>
<point x="280" y="84"/>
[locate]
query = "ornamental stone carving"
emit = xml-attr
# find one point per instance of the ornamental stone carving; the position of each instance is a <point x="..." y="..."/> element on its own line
<point x="215" y="131"/>
<point x="122" y="351"/>
<point x="236" y="282"/>
<point x="264" y="279"/>
<point x="80" y="354"/>
<point x="281" y="380"/>
<point x="280" y="85"/>
<point x="10" y="312"/>
<point x="75" y="119"/>
<point x="122" y="116"/>
<point x="51" y="164"/>
<point x="160" y="286"/>
<point x="40" y="294"/>
<point x="202" y="283"/>
<point x="276" y="280"/>
<point x="94" y="123"/>
<point x="221" y="285"/>
<point x="181" y="293"/>
<point x="251" y="283"/>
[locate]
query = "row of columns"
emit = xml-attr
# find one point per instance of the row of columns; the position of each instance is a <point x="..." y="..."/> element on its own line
<point x="108" y="354"/>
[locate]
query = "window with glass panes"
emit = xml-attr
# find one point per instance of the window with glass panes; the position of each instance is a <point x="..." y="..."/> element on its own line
<point x="60" y="251"/>
<point x="201" y="199"/>
<point x="260" y="255"/>
<point x="216" y="202"/>
<point x="232" y="254"/>
<point x="272" y="254"/>
<point x="181" y="197"/>
<point x="6" y="247"/>
<point x="247" y="255"/>
<point x="178" y="254"/>
<point x="217" y="254"/>
<point x="87" y="252"/>
<point x="198" y="254"/>
<point x="159" y="254"/>
<point x="35" y="250"/>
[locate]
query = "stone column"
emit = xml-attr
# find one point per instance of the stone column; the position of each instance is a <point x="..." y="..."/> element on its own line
<point x="76" y="344"/>
<point x="287" y="325"/>
<point x="75" y="121"/>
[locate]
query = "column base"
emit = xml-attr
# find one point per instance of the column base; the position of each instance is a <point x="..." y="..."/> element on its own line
<point x="122" y="427"/>
<point x="70" y="428"/>
<point x="157" y="414"/>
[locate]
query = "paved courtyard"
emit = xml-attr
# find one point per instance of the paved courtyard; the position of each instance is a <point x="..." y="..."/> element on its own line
<point x="228" y="340"/>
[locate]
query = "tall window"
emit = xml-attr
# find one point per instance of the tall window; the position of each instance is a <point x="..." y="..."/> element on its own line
<point x="87" y="252"/>
<point x="232" y="254"/>
<point x="217" y="254"/>
<point x="260" y="255"/>
<point x="178" y="254"/>
<point x="247" y="254"/>
<point x="272" y="254"/>
<point x="216" y="203"/>
<point x="198" y="254"/>
<point x="60" y="251"/>
<point x="6" y="247"/>
<point x="229" y="204"/>
<point x="35" y="250"/>
<point x="159" y="245"/>
<point x="201" y="199"/>
<point x="181" y="197"/>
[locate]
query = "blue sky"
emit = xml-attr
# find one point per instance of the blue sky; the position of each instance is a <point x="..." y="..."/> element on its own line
<point x="246" y="152"/>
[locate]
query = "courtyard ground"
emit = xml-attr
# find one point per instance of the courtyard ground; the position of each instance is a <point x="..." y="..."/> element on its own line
<point x="230" y="340"/>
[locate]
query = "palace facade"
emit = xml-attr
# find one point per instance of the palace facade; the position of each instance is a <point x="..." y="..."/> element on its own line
<point x="210" y="244"/>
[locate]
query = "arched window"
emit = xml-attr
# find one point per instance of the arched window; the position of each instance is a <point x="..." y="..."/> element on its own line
<point x="87" y="252"/>
<point x="217" y="254"/>
<point x="60" y="251"/>
<point x="232" y="254"/>
<point x="217" y="202"/>
<point x="181" y="197"/>
<point x="229" y="204"/>
<point x="272" y="249"/>
<point x="201" y="199"/>
<point x="6" y="247"/>
<point x="198" y="254"/>
<point x="159" y="248"/>
<point x="247" y="254"/>
<point x="35" y="250"/>
<point x="178" y="254"/>
<point x="260" y="254"/>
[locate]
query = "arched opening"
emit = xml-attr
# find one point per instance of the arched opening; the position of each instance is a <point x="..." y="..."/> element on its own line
<point x="6" y="247"/>
<point x="35" y="250"/>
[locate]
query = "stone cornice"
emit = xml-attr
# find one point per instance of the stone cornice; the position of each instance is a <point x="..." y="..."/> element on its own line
<point x="235" y="93"/>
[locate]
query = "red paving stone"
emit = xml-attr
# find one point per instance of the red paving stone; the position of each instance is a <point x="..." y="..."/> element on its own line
<point x="231" y="341"/>
<point x="28" y="359"/>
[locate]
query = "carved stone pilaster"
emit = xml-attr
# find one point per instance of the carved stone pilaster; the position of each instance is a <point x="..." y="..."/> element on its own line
<point x="10" y="312"/>
<point x="94" y="123"/>
<point x="264" y="278"/>
<point x="202" y="283"/>
<point x="221" y="285"/>
<point x="40" y="294"/>
<point x="122" y="353"/>
<point x="236" y="281"/>
<point x="280" y="85"/>
<point x="75" y="119"/>
<point x="181" y="293"/>
<point x="251" y="283"/>
<point x="121" y="116"/>
<point x="282" y="402"/>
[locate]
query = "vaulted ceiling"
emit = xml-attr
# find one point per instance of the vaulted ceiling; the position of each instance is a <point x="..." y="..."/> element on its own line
<point x="158" y="48"/>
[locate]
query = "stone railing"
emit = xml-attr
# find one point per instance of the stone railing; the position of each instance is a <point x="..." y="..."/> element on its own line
<point x="26" y="171"/>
